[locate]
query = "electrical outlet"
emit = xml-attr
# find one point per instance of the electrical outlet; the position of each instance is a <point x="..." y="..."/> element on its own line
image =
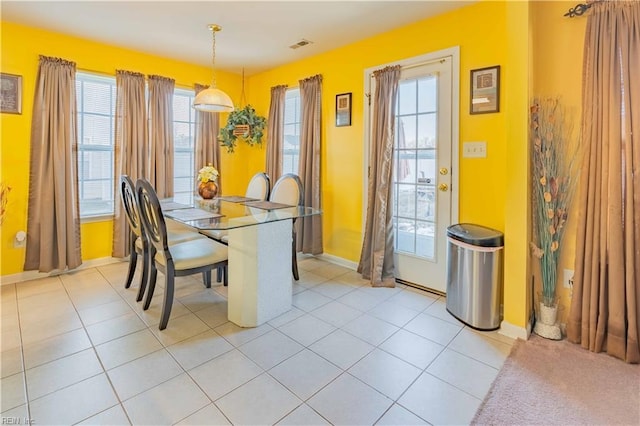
<point x="567" y="279"/>
<point x="20" y="240"/>
<point x="474" y="149"/>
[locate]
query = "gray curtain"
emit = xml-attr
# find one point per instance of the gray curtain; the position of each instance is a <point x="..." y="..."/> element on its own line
<point x="604" y="313"/>
<point x="310" y="231"/>
<point x="131" y="148"/>
<point x="275" y="132"/>
<point x="161" y="134"/>
<point x="53" y="219"/>
<point x="207" y="145"/>
<point x="376" y="258"/>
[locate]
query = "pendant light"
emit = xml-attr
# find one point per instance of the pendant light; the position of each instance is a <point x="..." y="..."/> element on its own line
<point x="213" y="99"/>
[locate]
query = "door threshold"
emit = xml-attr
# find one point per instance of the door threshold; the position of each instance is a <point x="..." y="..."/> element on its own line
<point x="421" y="287"/>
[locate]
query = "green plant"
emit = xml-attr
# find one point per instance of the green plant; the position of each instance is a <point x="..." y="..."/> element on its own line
<point x="555" y="171"/>
<point x="251" y="134"/>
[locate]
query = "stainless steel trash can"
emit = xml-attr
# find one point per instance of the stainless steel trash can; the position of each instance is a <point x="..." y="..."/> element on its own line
<point x="474" y="275"/>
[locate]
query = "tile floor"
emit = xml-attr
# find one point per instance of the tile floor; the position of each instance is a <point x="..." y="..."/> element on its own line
<point x="78" y="349"/>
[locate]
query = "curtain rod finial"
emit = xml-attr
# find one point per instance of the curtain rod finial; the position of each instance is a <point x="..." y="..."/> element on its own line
<point x="578" y="10"/>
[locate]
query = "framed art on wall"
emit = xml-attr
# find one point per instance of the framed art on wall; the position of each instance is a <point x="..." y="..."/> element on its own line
<point x="343" y="109"/>
<point x="485" y="90"/>
<point x="10" y="93"/>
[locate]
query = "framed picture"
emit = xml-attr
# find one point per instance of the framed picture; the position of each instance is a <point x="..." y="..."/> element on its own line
<point x="485" y="90"/>
<point x="10" y="93"/>
<point x="343" y="109"/>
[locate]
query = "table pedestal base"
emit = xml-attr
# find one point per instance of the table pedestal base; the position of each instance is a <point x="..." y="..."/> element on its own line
<point x="260" y="280"/>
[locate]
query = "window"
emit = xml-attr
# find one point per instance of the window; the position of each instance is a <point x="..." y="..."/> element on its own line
<point x="184" y="118"/>
<point x="291" y="146"/>
<point x="96" y="98"/>
<point x="96" y="103"/>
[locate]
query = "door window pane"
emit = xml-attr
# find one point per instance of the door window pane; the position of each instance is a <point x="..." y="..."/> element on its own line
<point x="415" y="167"/>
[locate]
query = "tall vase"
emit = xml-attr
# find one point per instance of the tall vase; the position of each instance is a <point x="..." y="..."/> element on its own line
<point x="547" y="324"/>
<point x="207" y="190"/>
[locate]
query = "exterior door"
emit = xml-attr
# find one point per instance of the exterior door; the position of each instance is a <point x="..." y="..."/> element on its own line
<point x="425" y="168"/>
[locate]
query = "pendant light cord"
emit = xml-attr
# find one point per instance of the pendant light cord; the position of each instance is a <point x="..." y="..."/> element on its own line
<point x="243" y="99"/>
<point x="214" y="29"/>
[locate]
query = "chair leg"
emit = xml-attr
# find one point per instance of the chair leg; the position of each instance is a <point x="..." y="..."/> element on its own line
<point x="225" y="274"/>
<point x="294" y="258"/>
<point x="153" y="274"/>
<point x="133" y="261"/>
<point x="219" y="272"/>
<point x="206" y="275"/>
<point x="145" y="273"/>
<point x="168" y="298"/>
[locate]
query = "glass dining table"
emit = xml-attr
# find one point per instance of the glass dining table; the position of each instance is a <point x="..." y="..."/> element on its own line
<point x="259" y="249"/>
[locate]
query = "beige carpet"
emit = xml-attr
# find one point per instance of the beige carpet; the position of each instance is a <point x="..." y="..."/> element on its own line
<point x="545" y="382"/>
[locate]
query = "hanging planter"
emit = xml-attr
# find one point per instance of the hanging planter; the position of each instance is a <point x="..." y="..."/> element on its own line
<point x="245" y="125"/>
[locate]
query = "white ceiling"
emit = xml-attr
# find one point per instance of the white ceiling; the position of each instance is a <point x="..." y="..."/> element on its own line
<point x="255" y="35"/>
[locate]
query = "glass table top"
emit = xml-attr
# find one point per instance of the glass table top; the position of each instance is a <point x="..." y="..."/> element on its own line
<point x="220" y="214"/>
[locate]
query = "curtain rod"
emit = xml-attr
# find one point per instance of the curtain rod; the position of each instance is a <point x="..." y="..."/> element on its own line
<point x="420" y="64"/>
<point x="578" y="10"/>
<point x="106" y="74"/>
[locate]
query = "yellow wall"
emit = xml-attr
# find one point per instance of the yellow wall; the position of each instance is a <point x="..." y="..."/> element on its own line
<point x="492" y="190"/>
<point x="481" y="180"/>
<point x="20" y="49"/>
<point x="557" y="51"/>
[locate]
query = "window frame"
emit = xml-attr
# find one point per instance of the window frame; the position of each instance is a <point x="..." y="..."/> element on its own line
<point x="83" y="77"/>
<point x="190" y="94"/>
<point x="292" y="93"/>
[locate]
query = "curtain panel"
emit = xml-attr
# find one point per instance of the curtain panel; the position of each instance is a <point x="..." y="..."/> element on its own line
<point x="131" y="148"/>
<point x="207" y="145"/>
<point x="606" y="294"/>
<point x="161" y="134"/>
<point x="275" y="132"/>
<point x="310" y="235"/>
<point x="53" y="217"/>
<point x="376" y="257"/>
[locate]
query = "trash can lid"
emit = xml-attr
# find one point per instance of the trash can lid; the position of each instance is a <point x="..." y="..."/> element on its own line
<point x="476" y="235"/>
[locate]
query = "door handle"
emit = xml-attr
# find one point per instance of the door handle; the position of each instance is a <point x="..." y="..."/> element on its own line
<point x="443" y="187"/>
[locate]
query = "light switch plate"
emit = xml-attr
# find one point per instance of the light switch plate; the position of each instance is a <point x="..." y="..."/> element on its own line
<point x="474" y="149"/>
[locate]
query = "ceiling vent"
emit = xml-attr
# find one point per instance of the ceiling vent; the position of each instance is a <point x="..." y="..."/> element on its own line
<point x="301" y="43"/>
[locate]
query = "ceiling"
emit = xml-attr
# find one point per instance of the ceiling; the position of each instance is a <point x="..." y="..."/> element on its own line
<point x="255" y="35"/>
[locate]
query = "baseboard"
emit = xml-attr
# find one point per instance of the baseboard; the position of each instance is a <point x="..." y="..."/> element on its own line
<point x="514" y="331"/>
<point x="33" y="275"/>
<point x="338" y="261"/>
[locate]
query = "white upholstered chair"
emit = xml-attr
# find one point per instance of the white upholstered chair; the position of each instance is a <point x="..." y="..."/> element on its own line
<point x="288" y="190"/>
<point x="259" y="188"/>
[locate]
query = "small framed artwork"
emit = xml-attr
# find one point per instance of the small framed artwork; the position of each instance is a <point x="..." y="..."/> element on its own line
<point x="10" y="93"/>
<point x="343" y="109"/>
<point x="485" y="90"/>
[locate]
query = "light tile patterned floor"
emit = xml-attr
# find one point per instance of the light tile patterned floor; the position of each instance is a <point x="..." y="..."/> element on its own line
<point x="78" y="349"/>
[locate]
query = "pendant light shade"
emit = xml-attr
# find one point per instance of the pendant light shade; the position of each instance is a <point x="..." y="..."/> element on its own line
<point x="213" y="99"/>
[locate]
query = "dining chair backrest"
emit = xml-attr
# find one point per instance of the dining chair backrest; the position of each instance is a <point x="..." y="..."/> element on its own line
<point x="153" y="221"/>
<point x="130" y="204"/>
<point x="259" y="187"/>
<point x="288" y="190"/>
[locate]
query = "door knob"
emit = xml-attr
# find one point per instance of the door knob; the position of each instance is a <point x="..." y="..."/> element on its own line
<point x="444" y="171"/>
<point x="443" y="187"/>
